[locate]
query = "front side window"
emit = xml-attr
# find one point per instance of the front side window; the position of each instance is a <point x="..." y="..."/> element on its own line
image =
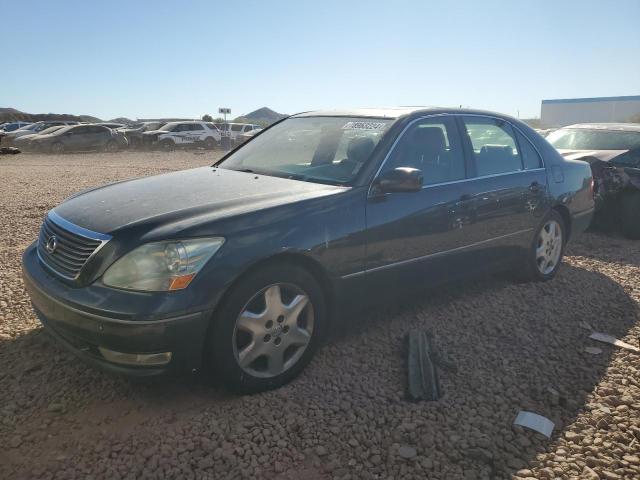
<point x="196" y="126"/>
<point x="236" y="128"/>
<point x="494" y="146"/>
<point x="316" y="149"/>
<point x="432" y="146"/>
<point x="592" y="139"/>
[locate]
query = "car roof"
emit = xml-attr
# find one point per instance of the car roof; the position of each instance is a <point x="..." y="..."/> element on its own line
<point x="624" y="127"/>
<point x="396" y="112"/>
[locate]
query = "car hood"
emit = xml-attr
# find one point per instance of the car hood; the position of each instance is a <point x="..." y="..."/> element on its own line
<point x="604" y="155"/>
<point x="208" y="193"/>
<point x="155" y="132"/>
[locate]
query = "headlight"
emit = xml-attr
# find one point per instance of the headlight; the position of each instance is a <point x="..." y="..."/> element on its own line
<point x="162" y="266"/>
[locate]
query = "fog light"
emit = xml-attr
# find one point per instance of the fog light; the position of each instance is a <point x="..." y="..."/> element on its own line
<point x="136" y="358"/>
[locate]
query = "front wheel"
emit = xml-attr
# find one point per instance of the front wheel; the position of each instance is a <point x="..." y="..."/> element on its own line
<point x="111" y="146"/>
<point x="267" y="329"/>
<point x="167" y="145"/>
<point x="209" y="143"/>
<point x="57" y="148"/>
<point x="544" y="256"/>
<point x="629" y="208"/>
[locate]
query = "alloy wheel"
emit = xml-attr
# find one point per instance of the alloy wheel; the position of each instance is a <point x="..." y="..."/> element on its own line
<point x="273" y="330"/>
<point x="549" y="247"/>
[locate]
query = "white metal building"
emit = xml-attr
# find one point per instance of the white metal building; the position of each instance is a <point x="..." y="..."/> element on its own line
<point x="557" y="113"/>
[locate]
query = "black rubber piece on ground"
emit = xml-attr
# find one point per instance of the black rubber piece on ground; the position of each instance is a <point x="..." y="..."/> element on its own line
<point x="423" y="382"/>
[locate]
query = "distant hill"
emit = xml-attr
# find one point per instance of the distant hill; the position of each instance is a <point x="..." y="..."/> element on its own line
<point x="13" y="115"/>
<point x="263" y="116"/>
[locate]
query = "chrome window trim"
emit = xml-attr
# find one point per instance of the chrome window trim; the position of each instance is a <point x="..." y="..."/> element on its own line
<point x="454" y="115"/>
<point x="80" y="231"/>
<point x="432" y="255"/>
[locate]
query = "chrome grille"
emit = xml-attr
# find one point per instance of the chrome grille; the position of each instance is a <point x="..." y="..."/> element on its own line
<point x="70" y="246"/>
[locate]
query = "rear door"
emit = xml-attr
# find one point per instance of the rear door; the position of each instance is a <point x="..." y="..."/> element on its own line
<point x="508" y="189"/>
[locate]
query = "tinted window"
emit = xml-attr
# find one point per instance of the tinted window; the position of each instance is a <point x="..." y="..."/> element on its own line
<point x="236" y="128"/>
<point x="97" y="129"/>
<point x="211" y="126"/>
<point x="196" y="126"/>
<point x="78" y="130"/>
<point x="494" y="146"/>
<point x="432" y="146"/>
<point x="530" y="157"/>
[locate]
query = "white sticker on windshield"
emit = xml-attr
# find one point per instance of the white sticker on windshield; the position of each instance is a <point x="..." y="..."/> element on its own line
<point x="364" y="126"/>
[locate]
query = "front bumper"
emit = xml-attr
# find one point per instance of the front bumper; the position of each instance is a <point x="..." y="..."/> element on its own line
<point x="83" y="332"/>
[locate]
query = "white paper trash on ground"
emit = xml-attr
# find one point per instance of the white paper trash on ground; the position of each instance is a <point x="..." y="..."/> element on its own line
<point x="535" y="422"/>
<point x="606" y="338"/>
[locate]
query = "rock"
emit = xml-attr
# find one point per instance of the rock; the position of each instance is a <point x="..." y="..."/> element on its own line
<point x="321" y="451"/>
<point x="589" y="474"/>
<point x="55" y="408"/>
<point x="407" y="452"/>
<point x="632" y="459"/>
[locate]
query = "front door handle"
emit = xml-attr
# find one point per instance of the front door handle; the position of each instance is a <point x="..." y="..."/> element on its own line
<point x="535" y="187"/>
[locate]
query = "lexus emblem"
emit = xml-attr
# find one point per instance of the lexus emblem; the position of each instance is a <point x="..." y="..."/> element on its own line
<point x="51" y="244"/>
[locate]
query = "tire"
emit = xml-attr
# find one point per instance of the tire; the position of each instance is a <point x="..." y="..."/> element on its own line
<point x="629" y="208"/>
<point x="167" y="145"/>
<point x="111" y="146"/>
<point x="545" y="253"/>
<point x="209" y="143"/>
<point x="274" y="353"/>
<point x="57" y="148"/>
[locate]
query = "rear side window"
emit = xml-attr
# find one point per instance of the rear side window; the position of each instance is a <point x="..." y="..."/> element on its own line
<point x="530" y="157"/>
<point x="236" y="128"/>
<point x="432" y="146"/>
<point x="494" y="146"/>
<point x="196" y="126"/>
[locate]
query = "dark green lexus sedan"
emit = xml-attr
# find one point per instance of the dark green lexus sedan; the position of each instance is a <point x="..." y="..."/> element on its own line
<point x="242" y="266"/>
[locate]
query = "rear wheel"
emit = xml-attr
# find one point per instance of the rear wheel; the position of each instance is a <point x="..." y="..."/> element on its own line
<point x="57" y="148"/>
<point x="544" y="256"/>
<point x="629" y="215"/>
<point x="267" y="328"/>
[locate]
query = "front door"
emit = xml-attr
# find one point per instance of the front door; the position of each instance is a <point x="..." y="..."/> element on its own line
<point x="410" y="235"/>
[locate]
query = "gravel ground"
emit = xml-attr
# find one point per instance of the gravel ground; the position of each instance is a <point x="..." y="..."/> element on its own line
<point x="516" y="346"/>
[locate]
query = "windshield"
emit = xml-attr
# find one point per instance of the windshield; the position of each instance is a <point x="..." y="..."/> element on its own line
<point x="586" y="139"/>
<point x="315" y="149"/>
<point x="49" y="130"/>
<point x="168" y="127"/>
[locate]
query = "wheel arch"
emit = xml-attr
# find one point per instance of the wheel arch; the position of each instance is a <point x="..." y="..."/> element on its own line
<point x="563" y="211"/>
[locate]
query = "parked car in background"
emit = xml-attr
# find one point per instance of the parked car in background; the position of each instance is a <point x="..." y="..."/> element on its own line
<point x="613" y="151"/>
<point x="247" y="136"/>
<point x="80" y="138"/>
<point x="11" y="126"/>
<point x="183" y="134"/>
<point x="134" y="132"/>
<point x="234" y="130"/>
<point x="239" y="266"/>
<point x="24" y="142"/>
<point x="37" y="127"/>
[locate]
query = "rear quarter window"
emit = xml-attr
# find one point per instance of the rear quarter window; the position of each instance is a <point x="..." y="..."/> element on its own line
<point x="530" y="158"/>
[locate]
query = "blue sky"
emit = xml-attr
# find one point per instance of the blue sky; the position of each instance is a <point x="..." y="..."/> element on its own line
<point x="186" y="58"/>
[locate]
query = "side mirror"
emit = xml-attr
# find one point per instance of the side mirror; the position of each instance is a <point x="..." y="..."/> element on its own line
<point x="401" y="179"/>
